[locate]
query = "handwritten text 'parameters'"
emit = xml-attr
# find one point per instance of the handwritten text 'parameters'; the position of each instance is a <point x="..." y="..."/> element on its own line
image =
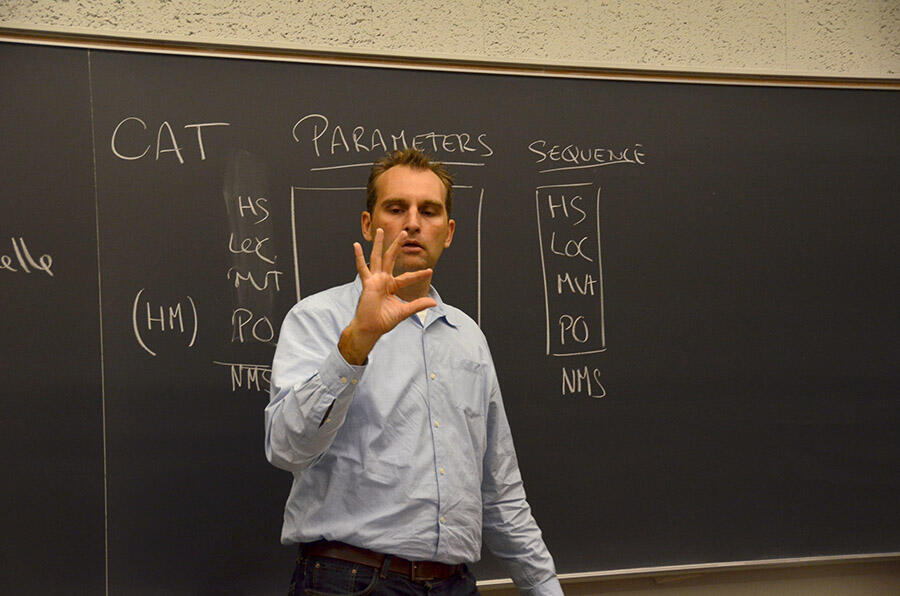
<point x="338" y="139"/>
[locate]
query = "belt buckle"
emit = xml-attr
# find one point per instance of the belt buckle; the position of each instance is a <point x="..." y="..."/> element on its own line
<point x="413" y="576"/>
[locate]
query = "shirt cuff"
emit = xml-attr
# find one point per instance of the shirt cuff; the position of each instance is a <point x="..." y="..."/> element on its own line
<point x="548" y="587"/>
<point x="337" y="375"/>
<point x="338" y="380"/>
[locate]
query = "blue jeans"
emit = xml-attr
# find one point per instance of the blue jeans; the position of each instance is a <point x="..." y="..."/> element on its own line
<point x="319" y="576"/>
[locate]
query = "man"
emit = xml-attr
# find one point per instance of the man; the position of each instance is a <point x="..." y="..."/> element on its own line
<point x="393" y="424"/>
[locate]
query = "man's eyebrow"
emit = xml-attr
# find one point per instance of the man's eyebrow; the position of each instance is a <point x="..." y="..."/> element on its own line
<point x="404" y="201"/>
<point x="391" y="203"/>
<point x="437" y="204"/>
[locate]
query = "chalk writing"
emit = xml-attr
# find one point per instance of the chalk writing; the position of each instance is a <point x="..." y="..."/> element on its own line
<point x="261" y="329"/>
<point x="262" y="284"/>
<point x="250" y="246"/>
<point x="575" y="284"/>
<point x="576" y="157"/>
<point x="255" y="206"/>
<point x="170" y="319"/>
<point x="334" y="140"/>
<point x="165" y="139"/>
<point x="573" y="329"/>
<point x="24" y="262"/>
<point x="583" y="380"/>
<point x="248" y="376"/>
<point x="569" y="238"/>
<point x="561" y="204"/>
<point x="573" y="248"/>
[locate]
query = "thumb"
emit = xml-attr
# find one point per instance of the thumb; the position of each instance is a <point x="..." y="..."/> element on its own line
<point x="419" y="304"/>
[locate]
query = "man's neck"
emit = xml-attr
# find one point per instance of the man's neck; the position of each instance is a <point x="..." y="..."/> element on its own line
<point x="410" y="293"/>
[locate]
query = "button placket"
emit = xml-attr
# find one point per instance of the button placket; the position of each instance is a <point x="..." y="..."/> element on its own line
<point x="431" y="384"/>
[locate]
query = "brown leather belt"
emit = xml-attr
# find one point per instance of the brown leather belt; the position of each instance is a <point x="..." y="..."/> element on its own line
<point x="414" y="570"/>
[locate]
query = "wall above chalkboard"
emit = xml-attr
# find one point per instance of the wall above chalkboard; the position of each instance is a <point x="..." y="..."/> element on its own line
<point x="688" y="291"/>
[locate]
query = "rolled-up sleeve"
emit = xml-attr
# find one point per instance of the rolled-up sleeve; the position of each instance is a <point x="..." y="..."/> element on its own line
<point x="311" y="391"/>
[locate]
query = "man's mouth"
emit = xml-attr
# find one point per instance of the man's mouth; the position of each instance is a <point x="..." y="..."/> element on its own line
<point x="411" y="245"/>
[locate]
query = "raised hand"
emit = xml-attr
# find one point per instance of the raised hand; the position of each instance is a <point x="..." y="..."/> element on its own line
<point x="379" y="309"/>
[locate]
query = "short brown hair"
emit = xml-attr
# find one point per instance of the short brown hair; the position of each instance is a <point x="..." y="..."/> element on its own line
<point x="415" y="159"/>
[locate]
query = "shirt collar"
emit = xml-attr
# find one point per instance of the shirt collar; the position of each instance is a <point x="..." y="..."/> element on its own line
<point x="440" y="309"/>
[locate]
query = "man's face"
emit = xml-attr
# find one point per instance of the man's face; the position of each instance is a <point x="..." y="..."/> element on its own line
<point x="411" y="200"/>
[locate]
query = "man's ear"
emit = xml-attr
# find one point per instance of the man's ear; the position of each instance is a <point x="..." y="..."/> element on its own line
<point x="365" y="222"/>
<point x="451" y="226"/>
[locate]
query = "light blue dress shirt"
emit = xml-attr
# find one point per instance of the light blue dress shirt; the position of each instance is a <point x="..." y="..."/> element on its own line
<point x="411" y="453"/>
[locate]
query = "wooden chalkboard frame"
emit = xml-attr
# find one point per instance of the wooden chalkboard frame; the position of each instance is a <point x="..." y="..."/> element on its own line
<point x="220" y="49"/>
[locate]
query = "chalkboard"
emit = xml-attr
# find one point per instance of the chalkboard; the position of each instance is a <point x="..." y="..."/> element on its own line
<point x="689" y="291"/>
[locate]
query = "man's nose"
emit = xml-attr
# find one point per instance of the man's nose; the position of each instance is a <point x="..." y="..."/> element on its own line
<point x="412" y="220"/>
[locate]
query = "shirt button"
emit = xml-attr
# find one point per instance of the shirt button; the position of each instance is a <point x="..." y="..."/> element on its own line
<point x="354" y="381"/>
<point x="443" y="520"/>
<point x="436" y="424"/>
<point x="432" y="375"/>
<point x="343" y="379"/>
<point x="442" y="471"/>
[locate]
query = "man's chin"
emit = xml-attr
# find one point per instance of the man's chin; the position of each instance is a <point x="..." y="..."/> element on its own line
<point x="410" y="265"/>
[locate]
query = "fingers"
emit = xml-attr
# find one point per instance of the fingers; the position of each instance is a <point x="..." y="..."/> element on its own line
<point x="419" y="304"/>
<point x="375" y="258"/>
<point x="390" y="255"/>
<point x="413" y="277"/>
<point x="361" y="267"/>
